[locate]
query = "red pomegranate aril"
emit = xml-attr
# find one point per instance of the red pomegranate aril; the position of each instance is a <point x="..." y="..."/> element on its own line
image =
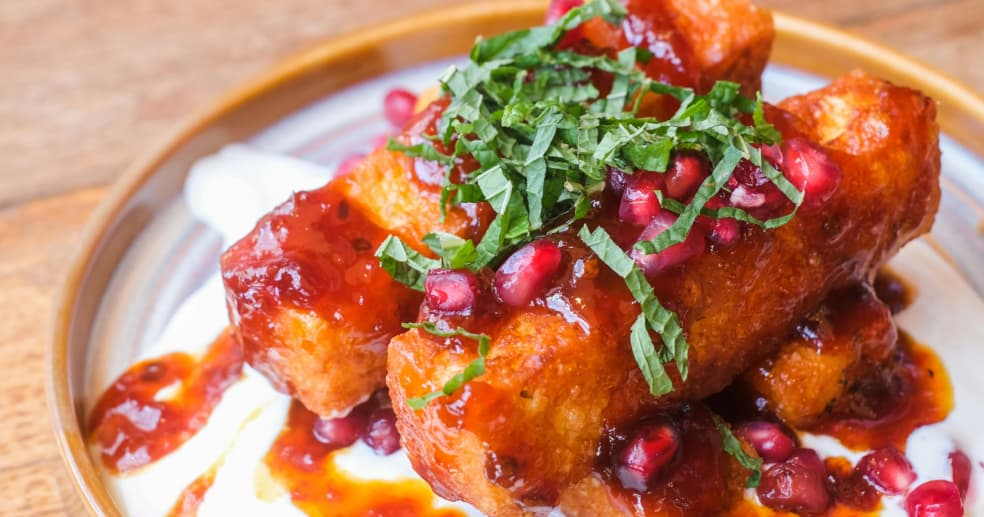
<point x="960" y="464"/>
<point x="381" y="434"/>
<point x="558" y="8"/>
<point x="676" y="254"/>
<point x="652" y="447"/>
<point x="342" y="431"/>
<point x="768" y="439"/>
<point x="348" y="165"/>
<point x="398" y="107"/>
<point x="797" y="484"/>
<point x="810" y="170"/>
<point x="724" y="232"/>
<point x="452" y="291"/>
<point x="888" y="470"/>
<point x="639" y="202"/>
<point x="525" y="274"/>
<point x="744" y="197"/>
<point x="615" y="181"/>
<point x="934" y="499"/>
<point x="772" y="153"/>
<point x="752" y="190"/>
<point x="685" y="174"/>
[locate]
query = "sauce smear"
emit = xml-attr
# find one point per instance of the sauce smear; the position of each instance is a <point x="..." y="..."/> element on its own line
<point x="136" y="422"/>
<point x="193" y="495"/>
<point x="921" y="395"/>
<point x="305" y="467"/>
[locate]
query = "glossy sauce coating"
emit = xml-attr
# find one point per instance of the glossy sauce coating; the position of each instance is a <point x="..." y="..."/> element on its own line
<point x="306" y="293"/>
<point x="304" y="466"/>
<point x="703" y="480"/>
<point x="561" y="369"/>
<point x="139" y="419"/>
<point x="830" y="363"/>
<point x="918" y="393"/>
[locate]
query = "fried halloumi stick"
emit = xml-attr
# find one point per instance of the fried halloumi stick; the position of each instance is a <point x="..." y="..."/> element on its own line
<point x="850" y="340"/>
<point x="558" y="374"/>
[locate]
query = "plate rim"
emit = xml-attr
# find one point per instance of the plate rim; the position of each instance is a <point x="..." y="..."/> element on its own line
<point x="964" y="107"/>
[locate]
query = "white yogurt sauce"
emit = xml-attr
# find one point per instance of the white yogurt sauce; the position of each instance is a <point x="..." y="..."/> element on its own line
<point x="232" y="189"/>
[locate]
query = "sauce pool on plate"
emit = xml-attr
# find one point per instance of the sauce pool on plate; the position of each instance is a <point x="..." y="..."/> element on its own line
<point x="158" y="404"/>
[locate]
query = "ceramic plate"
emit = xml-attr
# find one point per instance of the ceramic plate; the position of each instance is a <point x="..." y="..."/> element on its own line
<point x="144" y="252"/>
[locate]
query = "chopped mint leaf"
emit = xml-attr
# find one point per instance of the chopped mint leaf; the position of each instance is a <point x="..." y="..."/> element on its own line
<point x="767" y="130"/>
<point x="659" y="319"/>
<point x="403" y="263"/>
<point x="423" y="150"/>
<point x="473" y="370"/>
<point x="455" y="252"/>
<point x="648" y="360"/>
<point x="733" y="447"/>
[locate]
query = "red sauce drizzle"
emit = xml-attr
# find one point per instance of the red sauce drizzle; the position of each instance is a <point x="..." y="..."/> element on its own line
<point x="132" y="428"/>
<point x="704" y="480"/>
<point x="304" y="466"/>
<point x="749" y="509"/>
<point x="921" y="395"/>
<point x="193" y="495"/>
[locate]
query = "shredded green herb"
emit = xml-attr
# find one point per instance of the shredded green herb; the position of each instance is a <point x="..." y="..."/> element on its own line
<point x="654" y="316"/>
<point x="733" y="447"/>
<point x="473" y="370"/>
<point x="544" y="137"/>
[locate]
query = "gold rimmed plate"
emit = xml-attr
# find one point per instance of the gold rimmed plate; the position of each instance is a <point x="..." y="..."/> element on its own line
<point x="143" y="252"/>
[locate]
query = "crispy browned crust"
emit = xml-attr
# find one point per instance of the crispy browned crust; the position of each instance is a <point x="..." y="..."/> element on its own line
<point x="310" y="304"/>
<point x="848" y="341"/>
<point x="725" y="49"/>
<point x="385" y="187"/>
<point x="552" y="386"/>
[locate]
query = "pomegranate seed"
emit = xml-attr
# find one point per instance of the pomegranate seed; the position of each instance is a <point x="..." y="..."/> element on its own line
<point x="768" y="440"/>
<point x="451" y="291"/>
<point x="676" y="254"/>
<point x="615" y="181"/>
<point x="797" y="484"/>
<point x="398" y="107"/>
<point x="343" y="431"/>
<point x="745" y="197"/>
<point x="773" y="154"/>
<point x="751" y="189"/>
<point x="724" y="232"/>
<point x="348" y="165"/>
<point x="960" y="464"/>
<point x="810" y="170"/>
<point x="525" y="274"/>
<point x="720" y="232"/>
<point x="650" y="449"/>
<point x="888" y="470"/>
<point x="685" y="174"/>
<point x="639" y="202"/>
<point x="382" y="435"/>
<point x="558" y="8"/>
<point x="934" y="499"/>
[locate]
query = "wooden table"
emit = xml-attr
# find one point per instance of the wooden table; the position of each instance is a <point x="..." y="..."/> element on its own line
<point x="85" y="86"/>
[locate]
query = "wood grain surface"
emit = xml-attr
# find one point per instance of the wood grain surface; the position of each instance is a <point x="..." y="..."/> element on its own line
<point x="86" y="85"/>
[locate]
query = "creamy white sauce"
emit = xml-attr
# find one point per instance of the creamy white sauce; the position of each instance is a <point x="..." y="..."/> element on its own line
<point x="232" y="189"/>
